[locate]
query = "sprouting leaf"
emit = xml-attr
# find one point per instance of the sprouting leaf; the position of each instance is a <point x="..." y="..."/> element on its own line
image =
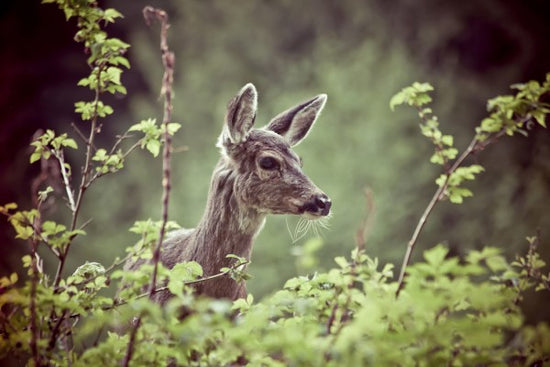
<point x="111" y="14"/>
<point x="68" y="142"/>
<point x="173" y="127"/>
<point x="35" y="156"/>
<point x="153" y="146"/>
<point x="100" y="155"/>
<point x="397" y="100"/>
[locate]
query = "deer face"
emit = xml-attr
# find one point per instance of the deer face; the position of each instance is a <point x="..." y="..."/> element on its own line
<point x="270" y="177"/>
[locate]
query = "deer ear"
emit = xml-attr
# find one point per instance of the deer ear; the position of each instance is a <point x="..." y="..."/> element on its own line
<point x="240" y="116"/>
<point x="295" y="123"/>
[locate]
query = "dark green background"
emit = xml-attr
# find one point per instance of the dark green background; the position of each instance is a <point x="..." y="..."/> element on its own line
<point x="358" y="52"/>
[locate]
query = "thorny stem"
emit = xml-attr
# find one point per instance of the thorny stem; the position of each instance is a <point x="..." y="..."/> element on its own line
<point x="168" y="63"/>
<point x="168" y="60"/>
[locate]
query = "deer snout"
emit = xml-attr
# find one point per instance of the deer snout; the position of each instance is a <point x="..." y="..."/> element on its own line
<point x="320" y="204"/>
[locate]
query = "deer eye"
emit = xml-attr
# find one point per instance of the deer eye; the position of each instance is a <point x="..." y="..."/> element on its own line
<point x="268" y="163"/>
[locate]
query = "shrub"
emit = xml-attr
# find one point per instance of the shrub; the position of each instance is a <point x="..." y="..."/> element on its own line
<point x="443" y="310"/>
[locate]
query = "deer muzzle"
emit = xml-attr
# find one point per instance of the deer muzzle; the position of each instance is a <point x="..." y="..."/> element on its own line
<point x="318" y="205"/>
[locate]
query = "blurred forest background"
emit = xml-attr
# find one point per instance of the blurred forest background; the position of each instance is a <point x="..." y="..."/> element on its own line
<point x="358" y="52"/>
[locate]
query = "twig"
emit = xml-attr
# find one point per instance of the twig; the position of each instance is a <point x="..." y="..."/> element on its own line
<point x="168" y="59"/>
<point x="36" y="356"/>
<point x="81" y="135"/>
<point x="168" y="63"/>
<point x="435" y="199"/>
<point x="32" y="306"/>
<point x="366" y="223"/>
<point x="200" y="280"/>
<point x="100" y="173"/>
<point x="475" y="145"/>
<point x="55" y="330"/>
<point x="119" y="302"/>
<point x="131" y="342"/>
<point x="61" y="159"/>
<point x="83" y="183"/>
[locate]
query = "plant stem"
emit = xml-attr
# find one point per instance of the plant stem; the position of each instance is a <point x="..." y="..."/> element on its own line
<point x="131" y="342"/>
<point x="32" y="306"/>
<point x="438" y="195"/>
<point x="70" y="196"/>
<point x="83" y="183"/>
<point x="168" y="62"/>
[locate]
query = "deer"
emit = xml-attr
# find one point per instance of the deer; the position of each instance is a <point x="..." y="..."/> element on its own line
<point x="257" y="174"/>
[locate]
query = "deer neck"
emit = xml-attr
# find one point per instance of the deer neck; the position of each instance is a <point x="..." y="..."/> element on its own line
<point x="226" y="226"/>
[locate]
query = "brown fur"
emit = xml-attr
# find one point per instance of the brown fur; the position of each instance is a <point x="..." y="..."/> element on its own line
<point x="242" y="192"/>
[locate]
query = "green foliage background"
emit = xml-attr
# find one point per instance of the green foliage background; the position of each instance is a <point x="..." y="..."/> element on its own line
<point x="360" y="54"/>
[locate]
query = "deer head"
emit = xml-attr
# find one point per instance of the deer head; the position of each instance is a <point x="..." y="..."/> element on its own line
<point x="270" y="179"/>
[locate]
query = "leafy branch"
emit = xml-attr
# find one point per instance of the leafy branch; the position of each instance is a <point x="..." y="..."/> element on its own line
<point x="509" y="114"/>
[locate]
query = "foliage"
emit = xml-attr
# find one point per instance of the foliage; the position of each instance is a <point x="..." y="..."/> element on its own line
<point x="446" y="311"/>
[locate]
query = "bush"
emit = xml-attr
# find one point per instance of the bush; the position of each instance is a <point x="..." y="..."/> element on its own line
<point x="444" y="310"/>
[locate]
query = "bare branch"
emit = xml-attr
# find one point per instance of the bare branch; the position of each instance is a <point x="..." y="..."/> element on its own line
<point x="366" y="224"/>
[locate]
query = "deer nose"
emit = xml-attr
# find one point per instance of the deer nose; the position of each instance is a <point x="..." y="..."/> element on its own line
<point x="323" y="203"/>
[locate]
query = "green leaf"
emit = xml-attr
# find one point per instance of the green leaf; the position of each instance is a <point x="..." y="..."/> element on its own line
<point x="341" y="261"/>
<point x="111" y="14"/>
<point x="540" y="116"/>
<point x="173" y="127"/>
<point x="447" y="140"/>
<point x="68" y="142"/>
<point x="153" y="146"/>
<point x="100" y="155"/>
<point x="397" y="100"/>
<point x="35" y="156"/>
<point x="436" y="255"/>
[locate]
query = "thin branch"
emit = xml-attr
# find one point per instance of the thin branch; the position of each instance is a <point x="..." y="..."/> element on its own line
<point x="200" y="280"/>
<point x="439" y="193"/>
<point x="131" y="342"/>
<point x="55" y="330"/>
<point x="65" y="175"/>
<point x="149" y="13"/>
<point x="168" y="59"/>
<point x="100" y="174"/>
<point x="366" y="224"/>
<point x="34" y="328"/>
<point x="35" y="278"/>
<point x="81" y="135"/>
<point x="83" y="183"/>
<point x="119" y="302"/>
